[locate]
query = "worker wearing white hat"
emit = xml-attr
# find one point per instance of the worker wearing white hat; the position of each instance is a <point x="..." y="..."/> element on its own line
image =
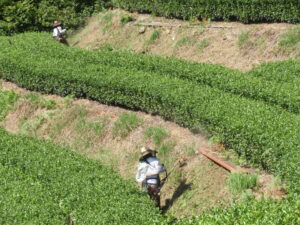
<point x="58" y="32"/>
<point x="148" y="172"/>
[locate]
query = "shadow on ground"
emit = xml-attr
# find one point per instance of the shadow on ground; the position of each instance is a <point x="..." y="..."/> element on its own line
<point x="182" y="187"/>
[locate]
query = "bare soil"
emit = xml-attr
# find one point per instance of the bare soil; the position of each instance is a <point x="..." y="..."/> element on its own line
<point x="235" y="45"/>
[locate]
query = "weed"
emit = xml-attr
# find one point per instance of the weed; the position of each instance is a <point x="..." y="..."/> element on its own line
<point x="67" y="118"/>
<point x="290" y="38"/>
<point x="157" y="134"/>
<point x="203" y="44"/>
<point x="183" y="41"/>
<point x="153" y="37"/>
<point x="106" y="18"/>
<point x="153" y="14"/>
<point x="243" y="37"/>
<point x="125" y="19"/>
<point x="189" y="150"/>
<point x="125" y="124"/>
<point x="106" y="47"/>
<point x="239" y="182"/>
<point x="68" y="100"/>
<point x="30" y="127"/>
<point x="106" y="27"/>
<point x="246" y="196"/>
<point x="107" y="158"/>
<point x="260" y="41"/>
<point x="201" y="28"/>
<point x="289" y="41"/>
<point x="7" y="100"/>
<point x="167" y="147"/>
<point x="214" y="139"/>
<point x="96" y="126"/>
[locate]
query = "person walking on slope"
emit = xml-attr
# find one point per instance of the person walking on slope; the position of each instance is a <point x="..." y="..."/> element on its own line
<point x="58" y="32"/>
<point x="148" y="172"/>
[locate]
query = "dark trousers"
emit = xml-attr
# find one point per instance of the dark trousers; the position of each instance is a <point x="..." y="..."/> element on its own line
<point x="153" y="189"/>
<point x="62" y="40"/>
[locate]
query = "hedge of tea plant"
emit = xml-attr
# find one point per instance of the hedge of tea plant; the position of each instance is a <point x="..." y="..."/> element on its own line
<point x="241" y="10"/>
<point x="265" y="135"/>
<point x="45" y="184"/>
<point x="251" y="211"/>
<point x="38" y="15"/>
<point x="287" y="71"/>
<point x="283" y="94"/>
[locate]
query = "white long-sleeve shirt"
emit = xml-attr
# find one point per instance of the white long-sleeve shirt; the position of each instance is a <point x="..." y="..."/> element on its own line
<point x="153" y="167"/>
<point x="58" y="31"/>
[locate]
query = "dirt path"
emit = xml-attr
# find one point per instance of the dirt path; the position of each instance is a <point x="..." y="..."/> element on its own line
<point x="233" y="45"/>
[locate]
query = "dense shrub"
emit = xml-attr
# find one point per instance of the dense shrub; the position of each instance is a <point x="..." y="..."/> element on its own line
<point x="284" y="94"/>
<point x="19" y="16"/>
<point x="27" y="15"/>
<point x="44" y="184"/>
<point x="241" y="10"/>
<point x="287" y="71"/>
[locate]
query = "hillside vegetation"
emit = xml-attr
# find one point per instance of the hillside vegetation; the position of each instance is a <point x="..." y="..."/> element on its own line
<point x="245" y="124"/>
<point x="20" y="16"/>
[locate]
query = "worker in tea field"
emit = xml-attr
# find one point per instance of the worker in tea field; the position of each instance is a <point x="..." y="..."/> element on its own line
<point x="58" y="32"/>
<point x="148" y="172"/>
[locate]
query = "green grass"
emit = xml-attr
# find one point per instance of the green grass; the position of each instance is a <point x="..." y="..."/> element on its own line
<point x="153" y="37"/>
<point x="105" y="47"/>
<point x="106" y="27"/>
<point x="7" y="100"/>
<point x="157" y="134"/>
<point x="291" y="38"/>
<point x="106" y="21"/>
<point x="239" y="182"/>
<point x="97" y="126"/>
<point x="31" y="126"/>
<point x="289" y="42"/>
<point x="243" y="37"/>
<point x="125" y="19"/>
<point x="106" y="18"/>
<point x="38" y="101"/>
<point x="126" y="123"/>
<point x="166" y="147"/>
<point x="189" y="149"/>
<point x="184" y="41"/>
<point x="203" y="44"/>
<point x="65" y="118"/>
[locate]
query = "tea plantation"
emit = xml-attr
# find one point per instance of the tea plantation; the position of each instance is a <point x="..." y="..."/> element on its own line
<point x="44" y="184"/>
<point x="249" y="114"/>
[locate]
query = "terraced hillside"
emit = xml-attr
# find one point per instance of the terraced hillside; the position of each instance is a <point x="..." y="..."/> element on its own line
<point x="254" y="124"/>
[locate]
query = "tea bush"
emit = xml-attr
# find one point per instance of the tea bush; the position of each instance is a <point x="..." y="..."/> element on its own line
<point x="241" y="10"/>
<point x="283" y="94"/>
<point x="45" y="184"/>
